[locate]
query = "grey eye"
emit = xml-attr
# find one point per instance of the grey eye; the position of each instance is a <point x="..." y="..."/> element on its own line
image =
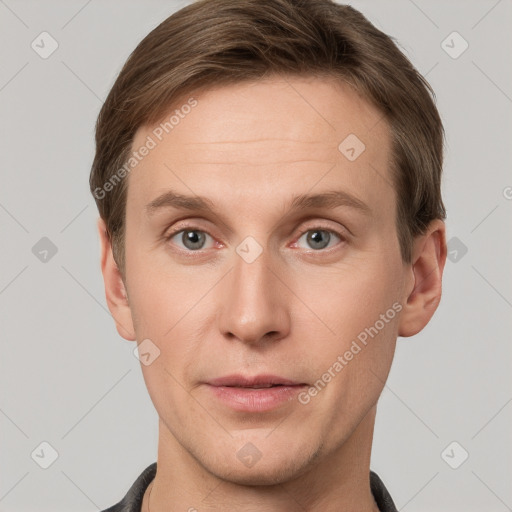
<point x="318" y="238"/>
<point x="191" y="239"/>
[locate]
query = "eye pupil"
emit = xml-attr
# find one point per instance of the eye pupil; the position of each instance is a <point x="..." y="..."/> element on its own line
<point x="190" y="239"/>
<point x="315" y="239"/>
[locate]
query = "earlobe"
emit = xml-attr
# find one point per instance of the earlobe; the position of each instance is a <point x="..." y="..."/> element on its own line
<point x="115" y="291"/>
<point x="422" y="299"/>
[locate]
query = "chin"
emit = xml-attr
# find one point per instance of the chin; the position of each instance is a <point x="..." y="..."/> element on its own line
<point x="277" y="468"/>
<point x="263" y="476"/>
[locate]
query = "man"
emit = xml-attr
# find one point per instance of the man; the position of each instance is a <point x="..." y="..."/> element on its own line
<point x="267" y="174"/>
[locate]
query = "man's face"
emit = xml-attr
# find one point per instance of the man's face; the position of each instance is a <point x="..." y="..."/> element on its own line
<point x="216" y="306"/>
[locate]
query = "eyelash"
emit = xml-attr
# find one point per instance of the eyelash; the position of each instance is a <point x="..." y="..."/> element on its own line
<point x="167" y="237"/>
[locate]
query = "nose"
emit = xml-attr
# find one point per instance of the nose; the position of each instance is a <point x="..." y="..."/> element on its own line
<point x="253" y="302"/>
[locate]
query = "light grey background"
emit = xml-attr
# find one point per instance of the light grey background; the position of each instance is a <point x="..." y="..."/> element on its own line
<point x="67" y="378"/>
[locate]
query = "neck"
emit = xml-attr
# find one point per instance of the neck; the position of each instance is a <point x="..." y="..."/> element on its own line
<point x="338" y="480"/>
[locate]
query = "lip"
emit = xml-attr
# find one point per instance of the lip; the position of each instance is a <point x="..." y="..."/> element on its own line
<point x="241" y="393"/>
<point x="242" y="381"/>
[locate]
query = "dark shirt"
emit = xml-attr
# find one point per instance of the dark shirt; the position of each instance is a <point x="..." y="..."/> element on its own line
<point x="132" y="502"/>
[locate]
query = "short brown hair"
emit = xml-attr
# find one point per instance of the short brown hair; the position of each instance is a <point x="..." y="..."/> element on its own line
<point x="219" y="42"/>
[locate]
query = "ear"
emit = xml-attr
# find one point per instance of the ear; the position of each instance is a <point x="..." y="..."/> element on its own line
<point x="425" y="283"/>
<point x="115" y="291"/>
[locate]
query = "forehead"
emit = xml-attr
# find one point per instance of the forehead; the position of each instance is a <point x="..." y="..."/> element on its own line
<point x="279" y="134"/>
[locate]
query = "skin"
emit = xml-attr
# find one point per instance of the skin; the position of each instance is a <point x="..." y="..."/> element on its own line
<point x="249" y="148"/>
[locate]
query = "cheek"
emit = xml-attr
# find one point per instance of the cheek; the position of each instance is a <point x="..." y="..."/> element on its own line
<point x="169" y="308"/>
<point x="159" y="294"/>
<point x="354" y="298"/>
<point x="360" y="307"/>
<point x="353" y="364"/>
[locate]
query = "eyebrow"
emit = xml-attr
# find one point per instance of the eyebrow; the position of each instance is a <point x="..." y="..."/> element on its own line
<point x="330" y="199"/>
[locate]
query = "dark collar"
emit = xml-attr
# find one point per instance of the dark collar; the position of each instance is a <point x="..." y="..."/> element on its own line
<point x="132" y="502"/>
